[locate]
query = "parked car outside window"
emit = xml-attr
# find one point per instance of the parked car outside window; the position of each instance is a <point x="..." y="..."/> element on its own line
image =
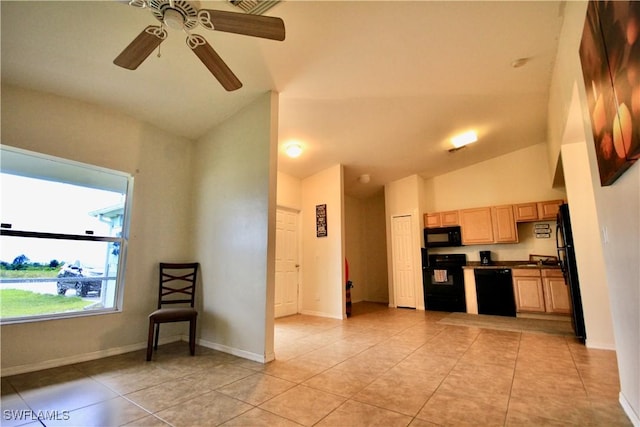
<point x="82" y="286"/>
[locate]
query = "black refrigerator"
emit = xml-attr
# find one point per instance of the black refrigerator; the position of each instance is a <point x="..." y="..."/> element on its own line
<point x="567" y="258"/>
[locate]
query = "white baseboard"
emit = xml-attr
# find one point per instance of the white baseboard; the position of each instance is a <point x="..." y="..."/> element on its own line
<point x="633" y="417"/>
<point x="600" y="345"/>
<point x="320" y="314"/>
<point x="237" y="352"/>
<point x="79" y="358"/>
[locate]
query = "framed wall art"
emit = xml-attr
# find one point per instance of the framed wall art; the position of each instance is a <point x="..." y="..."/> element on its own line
<point x="321" y="221"/>
<point x="610" y="59"/>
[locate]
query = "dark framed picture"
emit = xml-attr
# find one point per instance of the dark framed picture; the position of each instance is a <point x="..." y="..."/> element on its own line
<point x="610" y="59"/>
<point x="321" y="220"/>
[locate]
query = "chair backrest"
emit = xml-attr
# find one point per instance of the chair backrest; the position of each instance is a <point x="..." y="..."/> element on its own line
<point x="177" y="283"/>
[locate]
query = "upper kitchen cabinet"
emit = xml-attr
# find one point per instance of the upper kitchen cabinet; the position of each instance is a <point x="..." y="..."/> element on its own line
<point x="536" y="211"/>
<point x="526" y="211"/>
<point x="495" y="224"/>
<point x="504" y="224"/>
<point x="441" y="219"/>
<point x="549" y="209"/>
<point x="476" y="226"/>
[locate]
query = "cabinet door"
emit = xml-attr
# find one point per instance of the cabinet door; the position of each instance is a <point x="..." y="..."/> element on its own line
<point x="529" y="294"/>
<point x="504" y="224"/>
<point x="449" y="218"/>
<point x="476" y="226"/>
<point x="556" y="295"/>
<point x="526" y="212"/>
<point x="549" y="209"/>
<point x="432" y="220"/>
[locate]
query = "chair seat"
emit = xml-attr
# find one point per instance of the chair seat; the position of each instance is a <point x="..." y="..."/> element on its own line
<point x="173" y="314"/>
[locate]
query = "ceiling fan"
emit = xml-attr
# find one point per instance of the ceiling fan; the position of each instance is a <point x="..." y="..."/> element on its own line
<point x="185" y="15"/>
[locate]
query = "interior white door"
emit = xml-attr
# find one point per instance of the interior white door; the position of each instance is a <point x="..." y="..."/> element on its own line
<point x="286" y="293"/>
<point x="403" y="264"/>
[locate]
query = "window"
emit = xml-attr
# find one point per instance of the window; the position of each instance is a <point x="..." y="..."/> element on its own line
<point x="63" y="237"/>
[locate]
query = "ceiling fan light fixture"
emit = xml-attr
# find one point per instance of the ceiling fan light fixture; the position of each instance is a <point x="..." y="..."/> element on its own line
<point x="173" y="19"/>
<point x="293" y="149"/>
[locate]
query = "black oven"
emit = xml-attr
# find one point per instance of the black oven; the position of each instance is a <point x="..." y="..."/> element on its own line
<point x="442" y="237"/>
<point x="443" y="282"/>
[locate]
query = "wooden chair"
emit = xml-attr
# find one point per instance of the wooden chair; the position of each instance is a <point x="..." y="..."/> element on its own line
<point x="177" y="285"/>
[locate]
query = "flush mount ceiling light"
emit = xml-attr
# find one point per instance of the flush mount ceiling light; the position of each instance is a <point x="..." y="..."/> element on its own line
<point x="462" y="140"/>
<point x="364" y="178"/>
<point x="293" y="149"/>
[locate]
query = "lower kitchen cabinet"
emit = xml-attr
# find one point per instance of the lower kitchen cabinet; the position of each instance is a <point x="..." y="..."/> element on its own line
<point x="528" y="290"/>
<point x="540" y="291"/>
<point x="556" y="294"/>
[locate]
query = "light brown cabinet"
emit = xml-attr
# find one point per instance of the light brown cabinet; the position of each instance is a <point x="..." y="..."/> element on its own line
<point x="528" y="290"/>
<point x="536" y="211"/>
<point x="476" y="226"/>
<point x="556" y="293"/>
<point x="488" y="225"/>
<point x="441" y="219"/>
<point x="504" y="224"/>
<point x="549" y="209"/>
<point x="432" y="220"/>
<point x="526" y="212"/>
<point x="540" y="291"/>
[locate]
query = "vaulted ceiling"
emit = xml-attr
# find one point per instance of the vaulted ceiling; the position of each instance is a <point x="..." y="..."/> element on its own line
<point x="378" y="86"/>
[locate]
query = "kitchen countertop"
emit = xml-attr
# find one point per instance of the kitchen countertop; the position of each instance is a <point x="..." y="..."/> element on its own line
<point x="510" y="264"/>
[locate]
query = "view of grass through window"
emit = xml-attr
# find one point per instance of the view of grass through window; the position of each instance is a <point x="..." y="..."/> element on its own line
<point x="60" y="241"/>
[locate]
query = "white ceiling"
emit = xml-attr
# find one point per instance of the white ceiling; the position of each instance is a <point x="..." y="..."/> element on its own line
<point x="378" y="86"/>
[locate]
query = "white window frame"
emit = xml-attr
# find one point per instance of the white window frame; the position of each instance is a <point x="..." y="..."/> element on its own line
<point x="64" y="174"/>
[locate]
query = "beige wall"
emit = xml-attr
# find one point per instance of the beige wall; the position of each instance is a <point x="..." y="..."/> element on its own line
<point x="289" y="194"/>
<point x="365" y="240"/>
<point x="518" y="177"/>
<point x="617" y="210"/>
<point x="354" y="225"/>
<point x="234" y="188"/>
<point x="366" y="248"/>
<point x="160" y="221"/>
<point x="375" y="246"/>
<point x="322" y="291"/>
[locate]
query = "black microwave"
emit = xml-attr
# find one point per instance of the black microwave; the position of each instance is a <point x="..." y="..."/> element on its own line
<point x="442" y="237"/>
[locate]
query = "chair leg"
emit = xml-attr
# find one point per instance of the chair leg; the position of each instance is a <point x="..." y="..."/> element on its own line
<point x="192" y="336"/>
<point x="157" y="336"/>
<point x="150" y="340"/>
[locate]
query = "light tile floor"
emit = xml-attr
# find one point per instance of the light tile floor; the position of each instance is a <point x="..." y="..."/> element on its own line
<point x="385" y="367"/>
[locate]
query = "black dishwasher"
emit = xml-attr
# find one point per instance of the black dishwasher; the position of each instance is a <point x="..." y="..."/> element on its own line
<point x="494" y="291"/>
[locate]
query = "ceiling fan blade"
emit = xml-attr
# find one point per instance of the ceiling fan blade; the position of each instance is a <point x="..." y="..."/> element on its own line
<point x="141" y="47"/>
<point x="266" y="27"/>
<point x="213" y="62"/>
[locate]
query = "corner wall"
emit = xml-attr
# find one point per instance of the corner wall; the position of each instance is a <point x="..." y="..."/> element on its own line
<point x="160" y="221"/>
<point x="617" y="206"/>
<point x="234" y="186"/>
<point x="322" y="292"/>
